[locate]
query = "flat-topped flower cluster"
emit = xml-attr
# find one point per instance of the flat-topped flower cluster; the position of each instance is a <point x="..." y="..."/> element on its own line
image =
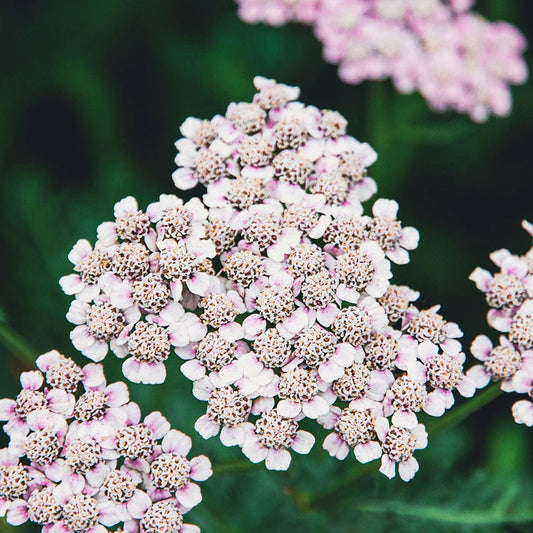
<point x="453" y="57"/>
<point x="81" y="459"/>
<point x="275" y="291"/>
<point x="509" y="294"/>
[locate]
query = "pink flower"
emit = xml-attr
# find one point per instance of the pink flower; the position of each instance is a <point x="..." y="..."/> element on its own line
<point x="172" y="474"/>
<point x="227" y="411"/>
<point x="98" y="326"/>
<point x="454" y="58"/>
<point x="91" y="265"/>
<point x="31" y="399"/>
<point x="270" y="438"/>
<point x="62" y="473"/>
<point x="499" y="363"/>
<point x="444" y="373"/>
<point x="398" y="445"/>
<point x="354" y="428"/>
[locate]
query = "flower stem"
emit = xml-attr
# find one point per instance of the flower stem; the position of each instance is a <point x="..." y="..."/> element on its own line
<point x="232" y="467"/>
<point x="465" y="410"/>
<point x="16" y="344"/>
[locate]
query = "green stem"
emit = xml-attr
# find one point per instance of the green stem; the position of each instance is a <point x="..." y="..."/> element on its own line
<point x="332" y="493"/>
<point x="468" y="408"/>
<point x="232" y="467"/>
<point x="460" y="413"/>
<point x="443" y="515"/>
<point x="16" y="344"/>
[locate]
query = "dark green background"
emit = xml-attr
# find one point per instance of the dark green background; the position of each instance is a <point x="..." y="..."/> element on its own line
<point x="91" y="97"/>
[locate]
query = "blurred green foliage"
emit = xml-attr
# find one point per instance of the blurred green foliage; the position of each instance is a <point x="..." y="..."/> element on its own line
<point x="91" y="97"/>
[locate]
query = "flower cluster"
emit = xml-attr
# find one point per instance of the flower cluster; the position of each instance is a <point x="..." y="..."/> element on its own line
<point x="509" y="294"/>
<point x="453" y="57"/>
<point x="80" y="459"/>
<point x="286" y="281"/>
<point x="304" y="322"/>
<point x="131" y="288"/>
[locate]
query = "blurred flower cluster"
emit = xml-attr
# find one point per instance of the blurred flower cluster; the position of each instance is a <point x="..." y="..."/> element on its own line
<point x="80" y="458"/>
<point x="509" y="294"/>
<point x="452" y="56"/>
<point x="275" y="291"/>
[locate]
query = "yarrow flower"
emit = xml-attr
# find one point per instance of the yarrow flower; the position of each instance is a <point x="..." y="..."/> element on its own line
<point x="93" y="466"/>
<point x="302" y="321"/>
<point x="275" y="289"/>
<point x="453" y="57"/>
<point x="509" y="294"/>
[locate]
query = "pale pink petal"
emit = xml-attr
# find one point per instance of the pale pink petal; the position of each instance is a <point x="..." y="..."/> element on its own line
<point x="387" y="467"/>
<point x="481" y="278"/>
<point x="152" y="373"/>
<point x="189" y="528"/>
<point x="231" y="331"/>
<point x="79" y="251"/>
<point x="330" y="370"/>
<point x="336" y="447"/>
<point x="405" y="419"/>
<point x="443" y="396"/>
<point x="348" y="294"/>
<point x="184" y="179"/>
<point x="278" y="459"/>
<point x="326" y="316"/>
<point x="31" y="380"/>
<point x="93" y="375"/>
<point x="203" y="388"/>
<point x="385" y="208"/>
<point x="426" y="351"/>
<point x="206" y="427"/>
<point x="296" y="321"/>
<point x="139" y="504"/>
<point x="117" y="394"/>
<point x="303" y="442"/>
<point x="81" y="338"/>
<point x="479" y="376"/>
<point x="71" y="284"/>
<point x="158" y="424"/>
<point x="107" y="513"/>
<point x="254" y="451"/>
<point x="523" y="412"/>
<point x="289" y="409"/>
<point x="17" y="513"/>
<point x="177" y="442"/>
<point x="96" y="476"/>
<point x="481" y="347"/>
<point x="7" y="408"/>
<point x="193" y="369"/>
<point x="315" y="407"/>
<point x="199" y="283"/>
<point x="515" y="266"/>
<point x="408" y="469"/>
<point x="367" y="451"/>
<point x="190" y="495"/>
<point x="499" y="320"/>
<point x="435" y="405"/>
<point x="253" y="325"/>
<point x="60" y="401"/>
<point x="261" y="405"/>
<point x="97" y="351"/>
<point x="409" y="238"/>
<point x="131" y="368"/>
<point x="522" y="382"/>
<point x="200" y="468"/>
<point x="398" y="255"/>
<point x="466" y="387"/>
